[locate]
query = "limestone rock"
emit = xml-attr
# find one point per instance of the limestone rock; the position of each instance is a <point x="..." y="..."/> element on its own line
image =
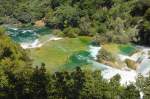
<point x="40" y="23"/>
<point x="131" y="64"/>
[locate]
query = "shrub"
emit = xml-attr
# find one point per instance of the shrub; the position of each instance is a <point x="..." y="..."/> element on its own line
<point x="58" y="32"/>
<point x="104" y="55"/>
<point x="71" y="32"/>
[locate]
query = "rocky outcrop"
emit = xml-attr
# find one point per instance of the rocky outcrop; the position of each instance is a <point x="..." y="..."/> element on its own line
<point x="40" y="23"/>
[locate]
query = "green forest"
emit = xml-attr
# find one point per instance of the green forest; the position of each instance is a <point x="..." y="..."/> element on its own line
<point x="114" y="24"/>
<point x="111" y="20"/>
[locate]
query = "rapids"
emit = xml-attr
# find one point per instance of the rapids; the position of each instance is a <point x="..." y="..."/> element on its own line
<point x="30" y="37"/>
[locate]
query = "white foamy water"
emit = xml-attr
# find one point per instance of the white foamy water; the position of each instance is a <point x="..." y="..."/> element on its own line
<point x="94" y="51"/>
<point x="25" y="31"/>
<point x="141" y="95"/>
<point x="127" y="76"/>
<point x="34" y="44"/>
<point x="144" y="64"/>
<point x="37" y="43"/>
<point x="13" y="28"/>
<point x="134" y="57"/>
<point x="144" y="67"/>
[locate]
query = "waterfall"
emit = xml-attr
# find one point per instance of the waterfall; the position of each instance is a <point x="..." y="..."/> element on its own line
<point x="127" y="76"/>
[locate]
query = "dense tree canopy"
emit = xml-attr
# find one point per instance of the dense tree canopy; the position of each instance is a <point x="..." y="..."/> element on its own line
<point x="118" y="21"/>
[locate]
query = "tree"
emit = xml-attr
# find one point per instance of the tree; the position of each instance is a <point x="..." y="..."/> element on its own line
<point x="79" y="79"/>
<point x="4" y="84"/>
<point x="144" y="33"/>
<point x="85" y="26"/>
<point x="39" y="82"/>
<point x="147" y="14"/>
<point x="95" y="86"/>
<point x="71" y="32"/>
<point x="130" y="92"/>
<point x="115" y="85"/>
<point x="144" y="85"/>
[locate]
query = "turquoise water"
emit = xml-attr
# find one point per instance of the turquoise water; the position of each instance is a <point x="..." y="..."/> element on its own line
<point x="78" y="59"/>
<point x="26" y="34"/>
<point x="29" y="34"/>
<point x="127" y="49"/>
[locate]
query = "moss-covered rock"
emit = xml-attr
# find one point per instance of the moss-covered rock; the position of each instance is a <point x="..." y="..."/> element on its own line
<point x="105" y="55"/>
<point x="131" y="64"/>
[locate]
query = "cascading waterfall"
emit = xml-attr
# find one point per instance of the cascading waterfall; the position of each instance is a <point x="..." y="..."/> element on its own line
<point x="127" y="76"/>
<point x="144" y="67"/>
<point x="142" y="58"/>
<point x="30" y="38"/>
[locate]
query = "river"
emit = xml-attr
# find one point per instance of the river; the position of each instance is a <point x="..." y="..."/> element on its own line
<point x="31" y="37"/>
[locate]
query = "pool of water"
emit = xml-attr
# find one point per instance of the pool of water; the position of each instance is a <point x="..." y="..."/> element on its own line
<point x="82" y="58"/>
<point x="127" y="49"/>
<point x="26" y="34"/>
<point x="78" y="59"/>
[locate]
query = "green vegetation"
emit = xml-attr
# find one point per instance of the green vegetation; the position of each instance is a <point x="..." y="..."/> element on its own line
<point x="114" y="23"/>
<point x="118" y="21"/>
<point x="109" y="55"/>
<point x="11" y="54"/>
<point x="18" y="80"/>
<point x="105" y="55"/>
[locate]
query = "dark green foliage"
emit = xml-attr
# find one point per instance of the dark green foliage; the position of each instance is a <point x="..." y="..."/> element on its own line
<point x="71" y="32"/>
<point x="11" y="54"/>
<point x="110" y="19"/>
<point x="14" y="68"/>
<point x="130" y="92"/>
<point x="147" y="14"/>
<point x="67" y="85"/>
<point x="142" y="9"/>
<point x="144" y="33"/>
<point x="144" y="85"/>
<point x="39" y="81"/>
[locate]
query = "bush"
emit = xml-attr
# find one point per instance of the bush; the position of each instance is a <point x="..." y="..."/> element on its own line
<point x="24" y="17"/>
<point x="58" y="32"/>
<point x="147" y="14"/>
<point x="71" y="32"/>
<point x="8" y="20"/>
